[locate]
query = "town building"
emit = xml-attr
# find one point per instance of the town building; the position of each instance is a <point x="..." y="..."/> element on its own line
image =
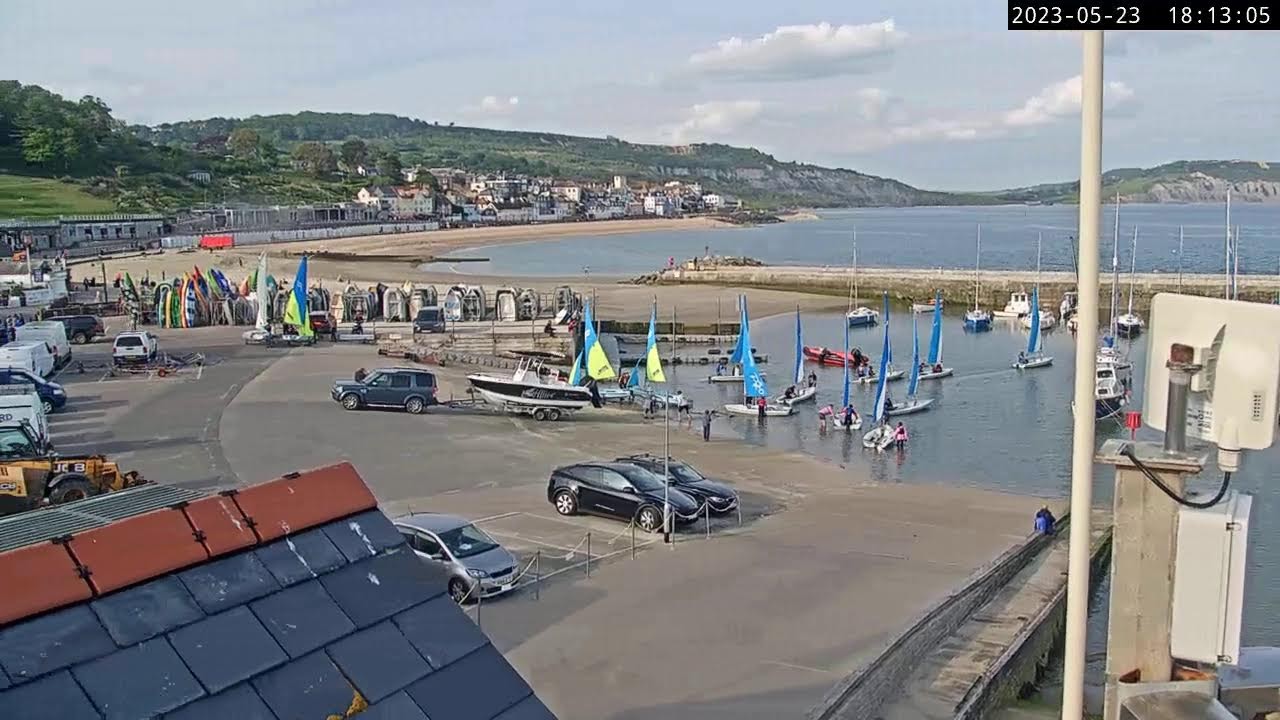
<point x="619" y="182"/>
<point x="661" y="205"/>
<point x="572" y="193"/>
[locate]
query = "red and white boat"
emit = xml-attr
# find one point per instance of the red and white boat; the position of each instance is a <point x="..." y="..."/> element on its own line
<point x="826" y="356"/>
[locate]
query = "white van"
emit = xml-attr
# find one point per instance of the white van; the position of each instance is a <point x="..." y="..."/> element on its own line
<point x="52" y="332"/>
<point x="20" y="403"/>
<point x="33" y="355"/>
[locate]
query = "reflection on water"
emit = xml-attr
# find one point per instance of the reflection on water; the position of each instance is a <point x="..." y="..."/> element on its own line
<point x="991" y="426"/>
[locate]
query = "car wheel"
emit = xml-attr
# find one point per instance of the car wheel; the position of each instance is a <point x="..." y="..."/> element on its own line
<point x="48" y="407"/>
<point x="79" y="338"/>
<point x="415" y="406"/>
<point x="458" y="590"/>
<point x="351" y="401"/>
<point x="649" y="519"/>
<point x="566" y="502"/>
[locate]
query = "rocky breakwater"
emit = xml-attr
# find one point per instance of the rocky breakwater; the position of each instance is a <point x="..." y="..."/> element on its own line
<point x="919" y="284"/>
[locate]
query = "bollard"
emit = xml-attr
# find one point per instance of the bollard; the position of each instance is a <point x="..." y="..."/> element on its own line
<point x="739" y="512"/>
<point x="633" y="541"/>
<point x="588" y="554"/>
<point x="707" y="511"/>
<point x="537" y="575"/>
<point x="479" y="600"/>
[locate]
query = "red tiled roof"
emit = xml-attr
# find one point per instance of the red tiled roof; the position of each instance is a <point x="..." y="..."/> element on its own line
<point x="44" y="577"/>
<point x="38" y="578"/>
<point x="298" y="501"/>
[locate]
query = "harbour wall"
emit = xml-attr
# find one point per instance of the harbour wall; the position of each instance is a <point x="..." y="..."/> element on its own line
<point x="956" y="286"/>
<point x="862" y="694"/>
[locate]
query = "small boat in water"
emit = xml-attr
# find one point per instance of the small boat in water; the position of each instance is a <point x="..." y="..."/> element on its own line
<point x="977" y="319"/>
<point x="880" y="437"/>
<point x="753" y="384"/>
<point x="934" y="369"/>
<point x="926" y="307"/>
<point x="1034" y="356"/>
<point x="1131" y="324"/>
<point x="913" y="404"/>
<point x="801" y="390"/>
<point x="1017" y="306"/>
<point x="860" y="316"/>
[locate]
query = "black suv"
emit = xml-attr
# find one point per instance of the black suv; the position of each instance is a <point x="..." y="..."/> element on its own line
<point x="429" y="320"/>
<point x="409" y="388"/>
<point x="82" y="329"/>
<point x="718" y="495"/>
<point x="618" y="490"/>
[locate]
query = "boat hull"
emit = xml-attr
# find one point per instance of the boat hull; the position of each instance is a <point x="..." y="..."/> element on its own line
<point x="1007" y="313"/>
<point x="977" y="324"/>
<point x="909" y="408"/>
<point x="1032" y="363"/>
<point x="945" y="372"/>
<point x="920" y="308"/>
<point x="500" y="391"/>
<point x="801" y="395"/>
<point x="835" y="358"/>
<point x="888" y="377"/>
<point x="725" y="378"/>
<point x="856" y="321"/>
<point x="769" y="410"/>
<point x="880" y="438"/>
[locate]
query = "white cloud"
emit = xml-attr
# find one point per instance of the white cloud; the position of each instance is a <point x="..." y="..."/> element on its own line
<point x="798" y="52"/>
<point x="1056" y="102"/>
<point x="1062" y="99"/>
<point x="716" y="119"/>
<point x="1121" y="43"/>
<point x="494" y="105"/>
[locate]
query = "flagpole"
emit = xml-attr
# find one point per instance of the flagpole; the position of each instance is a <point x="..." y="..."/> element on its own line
<point x="666" y="434"/>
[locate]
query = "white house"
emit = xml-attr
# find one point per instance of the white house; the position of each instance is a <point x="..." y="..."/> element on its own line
<point x="572" y="193"/>
<point x="203" y="177"/>
<point x="366" y="170"/>
<point x="413" y="204"/>
<point x="382" y="197"/>
<point x="515" y="212"/>
<point x="712" y="201"/>
<point x="660" y="205"/>
<point x="619" y="182"/>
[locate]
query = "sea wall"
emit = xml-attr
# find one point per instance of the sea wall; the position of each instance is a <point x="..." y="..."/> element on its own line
<point x="862" y="694"/>
<point x="1027" y="657"/>
<point x="957" y="286"/>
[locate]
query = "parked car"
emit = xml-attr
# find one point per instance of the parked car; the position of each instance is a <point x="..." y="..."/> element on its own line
<point x="52" y="395"/>
<point x="134" y="347"/>
<point x="82" y="329"/>
<point x="429" y="320"/>
<point x="409" y="388"/>
<point x="719" y="496"/>
<point x="618" y="490"/>
<point x="477" y="564"/>
<point x="34" y="355"/>
<point x="54" y="334"/>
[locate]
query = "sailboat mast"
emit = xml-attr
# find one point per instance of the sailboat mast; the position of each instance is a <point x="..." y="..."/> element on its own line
<point x="1133" y="268"/>
<point x="854" y="296"/>
<point x="1115" y="267"/>
<point x="1180" y="242"/>
<point x="977" y="262"/>
<point x="1227" y="291"/>
<point x="1235" y="266"/>
<point x="1039" y="246"/>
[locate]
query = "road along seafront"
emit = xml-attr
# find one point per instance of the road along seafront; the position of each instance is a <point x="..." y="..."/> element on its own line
<point x="758" y="619"/>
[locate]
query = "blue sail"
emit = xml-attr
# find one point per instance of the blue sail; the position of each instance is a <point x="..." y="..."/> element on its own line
<point x="753" y="384"/>
<point x="743" y="331"/>
<point x="798" y="376"/>
<point x="845" y="403"/>
<point x="634" y="380"/>
<point x="935" y="334"/>
<point x="1033" y="342"/>
<point x="575" y="375"/>
<point x="914" y="382"/>
<point x="885" y="357"/>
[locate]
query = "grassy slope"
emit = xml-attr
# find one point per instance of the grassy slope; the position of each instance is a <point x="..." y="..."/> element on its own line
<point x="32" y="197"/>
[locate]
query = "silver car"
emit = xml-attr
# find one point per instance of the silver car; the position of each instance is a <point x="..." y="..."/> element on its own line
<point x="476" y="563"/>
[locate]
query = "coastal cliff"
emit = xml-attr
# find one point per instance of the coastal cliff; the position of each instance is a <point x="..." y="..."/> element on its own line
<point x="1187" y="181"/>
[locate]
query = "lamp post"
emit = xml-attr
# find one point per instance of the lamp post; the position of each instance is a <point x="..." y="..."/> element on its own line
<point x="1082" y="450"/>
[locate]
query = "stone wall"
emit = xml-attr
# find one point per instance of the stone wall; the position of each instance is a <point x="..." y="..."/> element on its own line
<point x="862" y="694"/>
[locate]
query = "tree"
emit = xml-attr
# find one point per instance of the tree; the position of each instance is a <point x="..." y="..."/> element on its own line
<point x="390" y="166"/>
<point x="354" y="152"/>
<point x="244" y="143"/>
<point x="40" y="146"/>
<point x="316" y="158"/>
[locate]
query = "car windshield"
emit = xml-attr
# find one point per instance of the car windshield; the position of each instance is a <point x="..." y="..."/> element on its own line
<point x="15" y="444"/>
<point x="466" y="541"/>
<point x="428" y="315"/>
<point x="642" y="479"/>
<point x="684" y="473"/>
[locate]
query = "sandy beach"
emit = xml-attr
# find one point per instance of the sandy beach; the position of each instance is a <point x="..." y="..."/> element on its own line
<point x="622" y="301"/>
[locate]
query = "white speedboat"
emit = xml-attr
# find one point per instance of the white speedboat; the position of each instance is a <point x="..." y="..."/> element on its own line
<point x="1047" y="320"/>
<point x="524" y="388"/>
<point x="1129" y="325"/>
<point x="924" y="307"/>
<point x="862" y="317"/>
<point x="1018" y="305"/>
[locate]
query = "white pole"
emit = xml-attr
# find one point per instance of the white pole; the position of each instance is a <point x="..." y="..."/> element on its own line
<point x="1227" y="292"/>
<point x="1086" y="365"/>
<point x="1180" y="243"/>
<point x="1235" y="266"/>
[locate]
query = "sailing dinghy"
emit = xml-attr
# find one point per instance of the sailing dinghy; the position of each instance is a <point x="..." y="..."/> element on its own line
<point x="753" y="385"/>
<point x="913" y="403"/>
<point x="855" y="419"/>
<point x="261" y="331"/>
<point x="881" y="436"/>
<point x="934" y="368"/>
<point x="741" y="350"/>
<point x="1034" y="357"/>
<point x="803" y="391"/>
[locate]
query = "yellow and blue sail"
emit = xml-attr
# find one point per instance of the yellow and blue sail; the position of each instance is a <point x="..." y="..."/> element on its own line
<point x="295" y="309"/>
<point x="633" y="381"/>
<point x="575" y="375"/>
<point x="653" y="363"/>
<point x="597" y="362"/>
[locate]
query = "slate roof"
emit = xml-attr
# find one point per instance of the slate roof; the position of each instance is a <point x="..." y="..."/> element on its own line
<point x="296" y="598"/>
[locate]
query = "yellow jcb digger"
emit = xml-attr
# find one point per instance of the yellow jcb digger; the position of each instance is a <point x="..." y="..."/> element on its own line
<point x="31" y="475"/>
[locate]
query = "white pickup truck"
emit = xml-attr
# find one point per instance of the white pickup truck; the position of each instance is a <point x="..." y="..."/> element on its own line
<point x="134" y="348"/>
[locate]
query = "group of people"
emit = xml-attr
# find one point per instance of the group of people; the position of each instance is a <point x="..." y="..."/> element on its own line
<point x="791" y="391"/>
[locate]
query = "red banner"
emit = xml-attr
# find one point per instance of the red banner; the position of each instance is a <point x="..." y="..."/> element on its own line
<point x="217" y="241"/>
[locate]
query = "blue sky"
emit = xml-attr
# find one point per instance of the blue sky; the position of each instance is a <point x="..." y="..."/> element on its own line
<point x="933" y="92"/>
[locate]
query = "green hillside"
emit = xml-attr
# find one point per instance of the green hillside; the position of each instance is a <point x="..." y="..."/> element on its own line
<point x="35" y="197"/>
<point x="1181" y="181"/>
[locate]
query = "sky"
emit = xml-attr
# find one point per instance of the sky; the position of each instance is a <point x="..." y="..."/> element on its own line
<point x="936" y="93"/>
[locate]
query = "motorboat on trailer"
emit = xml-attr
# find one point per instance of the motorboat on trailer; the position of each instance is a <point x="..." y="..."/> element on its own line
<point x="526" y="389"/>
